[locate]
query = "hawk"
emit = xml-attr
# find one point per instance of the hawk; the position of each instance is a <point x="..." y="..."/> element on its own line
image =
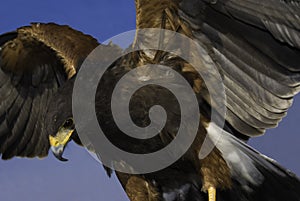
<point x="256" y="48"/>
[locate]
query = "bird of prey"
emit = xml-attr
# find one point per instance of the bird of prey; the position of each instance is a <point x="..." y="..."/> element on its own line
<point x="256" y="48"/>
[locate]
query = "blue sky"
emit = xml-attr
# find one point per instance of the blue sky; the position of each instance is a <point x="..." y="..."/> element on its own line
<point x="82" y="178"/>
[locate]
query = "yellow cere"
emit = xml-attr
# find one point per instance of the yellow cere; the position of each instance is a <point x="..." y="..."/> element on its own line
<point x="61" y="138"/>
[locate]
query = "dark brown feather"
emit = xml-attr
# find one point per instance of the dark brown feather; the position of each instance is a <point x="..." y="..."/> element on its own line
<point x="256" y="49"/>
<point x="34" y="62"/>
<point x="260" y="80"/>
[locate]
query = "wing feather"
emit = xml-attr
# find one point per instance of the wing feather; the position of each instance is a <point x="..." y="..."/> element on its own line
<point x="34" y="62"/>
<point x="18" y="128"/>
<point x="253" y="44"/>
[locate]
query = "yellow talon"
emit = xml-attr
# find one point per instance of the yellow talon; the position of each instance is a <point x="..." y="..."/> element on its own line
<point x="211" y="194"/>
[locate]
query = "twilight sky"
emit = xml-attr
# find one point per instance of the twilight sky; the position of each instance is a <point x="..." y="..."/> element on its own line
<point x="82" y="178"/>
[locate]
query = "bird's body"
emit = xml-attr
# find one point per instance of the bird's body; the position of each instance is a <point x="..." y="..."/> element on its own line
<point x="38" y="70"/>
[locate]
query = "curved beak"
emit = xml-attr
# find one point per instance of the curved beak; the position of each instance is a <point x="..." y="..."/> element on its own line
<point x="59" y="142"/>
<point x="58" y="152"/>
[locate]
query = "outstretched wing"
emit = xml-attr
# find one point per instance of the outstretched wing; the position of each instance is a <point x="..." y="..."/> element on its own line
<point x="255" y="46"/>
<point x="35" y="61"/>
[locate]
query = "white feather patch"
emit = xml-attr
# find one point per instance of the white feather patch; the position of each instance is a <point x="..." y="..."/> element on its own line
<point x="240" y="164"/>
<point x="175" y="194"/>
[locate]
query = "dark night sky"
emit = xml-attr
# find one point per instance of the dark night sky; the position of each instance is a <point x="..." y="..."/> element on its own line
<point x="82" y="178"/>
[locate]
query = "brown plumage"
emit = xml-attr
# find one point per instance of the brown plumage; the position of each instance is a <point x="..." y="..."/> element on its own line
<point x="40" y="59"/>
<point x="39" y="64"/>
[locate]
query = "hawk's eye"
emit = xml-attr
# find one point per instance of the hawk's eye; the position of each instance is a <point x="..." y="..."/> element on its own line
<point x="68" y="123"/>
